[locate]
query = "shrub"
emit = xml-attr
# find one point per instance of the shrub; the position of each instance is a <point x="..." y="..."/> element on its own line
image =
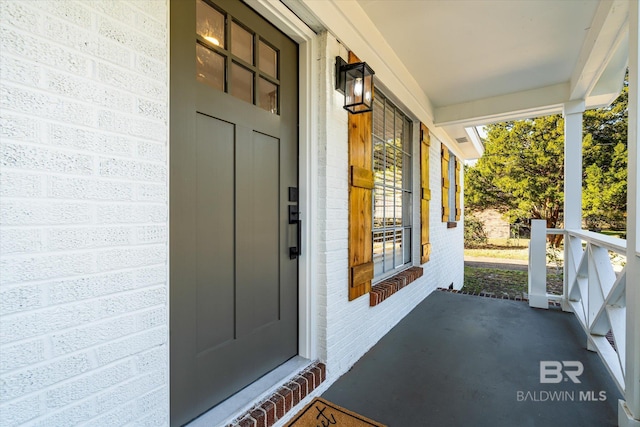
<point x="474" y="232"/>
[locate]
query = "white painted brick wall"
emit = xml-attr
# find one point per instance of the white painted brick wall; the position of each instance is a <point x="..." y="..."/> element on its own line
<point x="348" y="329"/>
<point x="83" y="212"/>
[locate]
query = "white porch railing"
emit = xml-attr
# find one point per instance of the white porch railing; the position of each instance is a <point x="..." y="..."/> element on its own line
<point x="592" y="289"/>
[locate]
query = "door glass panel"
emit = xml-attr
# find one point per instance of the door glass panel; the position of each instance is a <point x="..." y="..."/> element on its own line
<point x="209" y="24"/>
<point x="268" y="59"/>
<point x="241" y="43"/>
<point x="241" y="83"/>
<point x="209" y="67"/>
<point x="268" y="96"/>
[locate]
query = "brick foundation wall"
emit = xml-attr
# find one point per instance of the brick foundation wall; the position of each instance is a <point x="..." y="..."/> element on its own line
<point x="383" y="290"/>
<point x="280" y="403"/>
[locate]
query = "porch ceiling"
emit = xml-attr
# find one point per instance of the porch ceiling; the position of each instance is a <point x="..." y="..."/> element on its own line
<point x="480" y="61"/>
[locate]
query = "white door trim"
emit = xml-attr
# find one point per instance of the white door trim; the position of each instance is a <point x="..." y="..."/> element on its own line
<point x="287" y="22"/>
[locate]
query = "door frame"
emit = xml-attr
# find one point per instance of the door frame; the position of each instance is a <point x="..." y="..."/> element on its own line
<point x="308" y="78"/>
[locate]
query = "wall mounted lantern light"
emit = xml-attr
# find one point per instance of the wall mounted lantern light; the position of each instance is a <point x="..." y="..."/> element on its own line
<point x="355" y="81"/>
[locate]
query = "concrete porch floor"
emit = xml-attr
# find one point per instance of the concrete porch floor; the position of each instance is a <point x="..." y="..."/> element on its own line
<point x="461" y="360"/>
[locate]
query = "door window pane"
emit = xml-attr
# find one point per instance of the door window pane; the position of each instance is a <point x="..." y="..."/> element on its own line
<point x="268" y="59"/>
<point x="209" y="24"/>
<point x="241" y="83"/>
<point x="267" y="96"/>
<point x="226" y="58"/>
<point x="241" y="43"/>
<point x="209" y="67"/>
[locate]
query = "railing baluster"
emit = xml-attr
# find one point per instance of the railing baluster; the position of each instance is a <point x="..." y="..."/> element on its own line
<point x="592" y="289"/>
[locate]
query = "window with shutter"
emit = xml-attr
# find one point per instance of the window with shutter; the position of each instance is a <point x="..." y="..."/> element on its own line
<point x="425" y="194"/>
<point x="451" y="208"/>
<point x="445" y="182"/>
<point x="458" y="212"/>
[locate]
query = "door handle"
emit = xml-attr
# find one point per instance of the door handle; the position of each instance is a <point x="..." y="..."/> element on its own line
<point x="296" y="251"/>
<point x="294" y="218"/>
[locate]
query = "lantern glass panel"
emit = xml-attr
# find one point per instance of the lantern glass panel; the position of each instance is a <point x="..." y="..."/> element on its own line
<point x="358" y="88"/>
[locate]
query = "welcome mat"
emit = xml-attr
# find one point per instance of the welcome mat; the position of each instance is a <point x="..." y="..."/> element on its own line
<point x="321" y="413"/>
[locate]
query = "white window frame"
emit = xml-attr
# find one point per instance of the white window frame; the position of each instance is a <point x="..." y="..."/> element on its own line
<point x="382" y="269"/>
<point x="452" y="186"/>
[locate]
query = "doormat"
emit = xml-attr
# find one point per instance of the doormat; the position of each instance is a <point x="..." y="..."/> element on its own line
<point x="321" y="413"/>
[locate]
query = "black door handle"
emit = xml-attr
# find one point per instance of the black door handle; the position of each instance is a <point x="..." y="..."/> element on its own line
<point x="296" y="251"/>
<point x="294" y="218"/>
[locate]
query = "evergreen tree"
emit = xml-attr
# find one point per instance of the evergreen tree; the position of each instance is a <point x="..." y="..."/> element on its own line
<point x="521" y="173"/>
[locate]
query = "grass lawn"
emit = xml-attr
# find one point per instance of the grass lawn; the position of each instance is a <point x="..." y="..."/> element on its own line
<point x="522" y="254"/>
<point x="615" y="233"/>
<point x="502" y="248"/>
<point x="502" y="282"/>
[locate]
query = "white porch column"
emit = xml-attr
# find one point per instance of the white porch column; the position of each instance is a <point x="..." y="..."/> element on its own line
<point x="629" y="414"/>
<point x="573" y="164"/>
<point x="572" y="182"/>
<point x="538" y="265"/>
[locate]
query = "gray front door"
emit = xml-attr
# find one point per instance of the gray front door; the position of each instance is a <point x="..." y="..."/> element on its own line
<point x="234" y="155"/>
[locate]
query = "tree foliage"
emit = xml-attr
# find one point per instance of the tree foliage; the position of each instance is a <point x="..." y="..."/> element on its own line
<point x="604" y="196"/>
<point x="521" y="173"/>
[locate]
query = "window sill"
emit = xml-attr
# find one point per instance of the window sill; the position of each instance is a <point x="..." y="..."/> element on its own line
<point x="452" y="224"/>
<point x="393" y="284"/>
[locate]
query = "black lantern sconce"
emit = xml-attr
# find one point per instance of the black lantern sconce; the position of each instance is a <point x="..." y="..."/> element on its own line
<point x="355" y="81"/>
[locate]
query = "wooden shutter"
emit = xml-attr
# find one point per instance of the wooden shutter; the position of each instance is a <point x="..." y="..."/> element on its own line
<point x="457" y="189"/>
<point x="425" y="194"/>
<point x="445" y="182"/>
<point x="360" y="202"/>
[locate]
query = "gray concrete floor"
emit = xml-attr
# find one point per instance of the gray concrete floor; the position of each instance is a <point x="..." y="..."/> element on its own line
<point x="461" y="360"/>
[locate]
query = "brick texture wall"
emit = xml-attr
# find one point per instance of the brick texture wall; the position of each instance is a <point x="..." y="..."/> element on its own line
<point x="348" y="329"/>
<point x="83" y="234"/>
